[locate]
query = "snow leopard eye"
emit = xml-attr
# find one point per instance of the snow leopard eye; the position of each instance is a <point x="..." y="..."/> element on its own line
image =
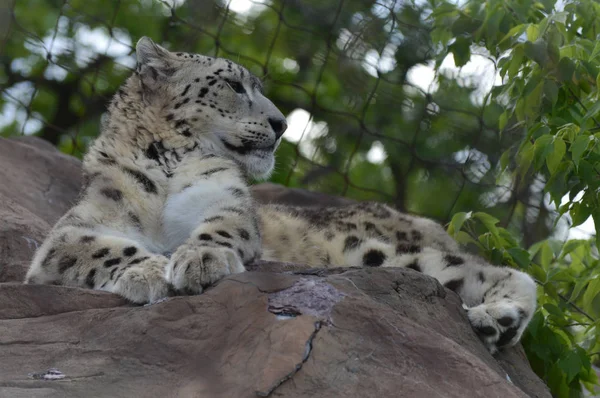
<point x="236" y="86"/>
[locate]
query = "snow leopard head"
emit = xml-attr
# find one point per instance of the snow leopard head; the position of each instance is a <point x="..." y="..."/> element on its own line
<point x="214" y="101"/>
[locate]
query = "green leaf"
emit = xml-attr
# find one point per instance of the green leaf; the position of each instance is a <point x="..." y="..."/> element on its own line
<point x="507" y="238"/>
<point x="461" y="49"/>
<point x="566" y="68"/>
<point x="571" y="365"/>
<point x="538" y="130"/>
<point x="574" y="51"/>
<point x="592" y="111"/>
<point x="585" y="360"/>
<point x="536" y="324"/>
<point x="493" y="21"/>
<point x="591" y="292"/>
<point x="578" y="147"/>
<point x="546" y="255"/>
<point x="520" y="256"/>
<point x="537" y="51"/>
<point x="553" y="310"/>
<point x="504" y="160"/>
<point x="554" y="42"/>
<point x="579" y="213"/>
<point x="595" y="51"/>
<point x="571" y="245"/>
<point x="586" y="171"/>
<point x="441" y="35"/>
<point x="538" y="272"/>
<point x="515" y="31"/>
<point x="463" y="238"/>
<point x="569" y="131"/>
<point x="543" y="146"/>
<point x="543" y="25"/>
<point x="550" y="290"/>
<point x="596" y="217"/>
<point x="525" y="157"/>
<point x="535" y="248"/>
<point x="532" y="83"/>
<point x="457" y="222"/>
<point x="496" y="256"/>
<point x="556" y="381"/>
<point x="560" y="17"/>
<point x="516" y="61"/>
<point x="557" y="184"/>
<point x="579" y="286"/>
<point x="487" y="220"/>
<point x="551" y="91"/>
<point x="564" y="208"/>
<point x="520" y="110"/>
<point x="533" y="32"/>
<point x="502" y="120"/>
<point x="561" y="275"/>
<point x="444" y="9"/>
<point x="553" y="159"/>
<point x="464" y="25"/>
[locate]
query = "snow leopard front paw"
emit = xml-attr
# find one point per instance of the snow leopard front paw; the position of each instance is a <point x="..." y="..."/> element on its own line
<point x="506" y="309"/>
<point x="143" y="282"/>
<point x="499" y="324"/>
<point x="193" y="268"/>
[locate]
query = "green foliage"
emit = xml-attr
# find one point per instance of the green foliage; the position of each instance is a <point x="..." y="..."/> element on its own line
<point x="550" y="62"/>
<point x="503" y="166"/>
<point x="564" y="330"/>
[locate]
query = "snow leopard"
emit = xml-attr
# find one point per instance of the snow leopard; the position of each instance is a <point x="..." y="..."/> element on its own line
<point x="165" y="207"/>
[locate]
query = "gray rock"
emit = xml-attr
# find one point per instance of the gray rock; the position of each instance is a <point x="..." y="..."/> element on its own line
<point x="280" y="329"/>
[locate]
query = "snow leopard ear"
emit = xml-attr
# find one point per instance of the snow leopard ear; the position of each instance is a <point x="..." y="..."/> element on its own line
<point x="154" y="63"/>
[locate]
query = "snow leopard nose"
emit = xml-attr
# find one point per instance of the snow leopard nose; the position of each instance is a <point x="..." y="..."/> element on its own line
<point x="278" y="125"/>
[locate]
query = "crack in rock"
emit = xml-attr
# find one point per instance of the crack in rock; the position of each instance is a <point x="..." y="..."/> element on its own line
<point x="47" y="190"/>
<point x="50" y="374"/>
<point x="284" y="312"/>
<point x="307" y="351"/>
<point x="324" y="272"/>
<point x="161" y="300"/>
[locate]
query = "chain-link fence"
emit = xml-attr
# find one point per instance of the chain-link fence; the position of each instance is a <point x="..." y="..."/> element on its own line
<point x="370" y="118"/>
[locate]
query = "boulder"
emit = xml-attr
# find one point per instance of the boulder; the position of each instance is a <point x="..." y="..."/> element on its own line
<point x="279" y="330"/>
<point x="38" y="184"/>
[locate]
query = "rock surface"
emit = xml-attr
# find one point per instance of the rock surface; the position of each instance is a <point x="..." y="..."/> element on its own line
<point x="38" y="184"/>
<point x="280" y="330"/>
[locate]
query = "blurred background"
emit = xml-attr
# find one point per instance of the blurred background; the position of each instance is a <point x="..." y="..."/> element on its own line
<point x="453" y="110"/>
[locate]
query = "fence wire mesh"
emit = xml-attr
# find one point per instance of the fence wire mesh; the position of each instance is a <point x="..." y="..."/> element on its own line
<point x="369" y="116"/>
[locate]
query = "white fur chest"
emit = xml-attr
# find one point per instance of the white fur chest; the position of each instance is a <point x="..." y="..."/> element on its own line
<point x="185" y="211"/>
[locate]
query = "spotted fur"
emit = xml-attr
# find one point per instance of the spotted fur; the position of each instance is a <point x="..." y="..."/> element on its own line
<point x="500" y="300"/>
<point x="165" y="204"/>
